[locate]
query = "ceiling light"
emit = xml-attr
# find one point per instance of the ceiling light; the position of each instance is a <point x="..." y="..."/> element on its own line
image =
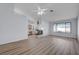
<point x="40" y="11"/>
<point x="51" y="10"/>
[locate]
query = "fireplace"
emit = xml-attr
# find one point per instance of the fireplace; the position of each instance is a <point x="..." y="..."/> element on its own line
<point x="39" y="32"/>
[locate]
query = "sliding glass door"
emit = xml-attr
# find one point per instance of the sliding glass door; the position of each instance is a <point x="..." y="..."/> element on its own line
<point x="62" y="27"/>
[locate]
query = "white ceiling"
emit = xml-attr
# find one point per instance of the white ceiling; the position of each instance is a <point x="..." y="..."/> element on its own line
<point x="61" y="10"/>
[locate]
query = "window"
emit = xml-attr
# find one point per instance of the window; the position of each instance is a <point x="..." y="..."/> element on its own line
<point x="68" y="27"/>
<point x="62" y="27"/>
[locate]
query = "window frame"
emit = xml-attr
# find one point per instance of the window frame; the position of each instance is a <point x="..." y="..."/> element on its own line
<point x="65" y="27"/>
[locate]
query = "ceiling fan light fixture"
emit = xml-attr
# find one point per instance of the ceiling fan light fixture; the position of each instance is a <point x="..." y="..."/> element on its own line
<point x="40" y="11"/>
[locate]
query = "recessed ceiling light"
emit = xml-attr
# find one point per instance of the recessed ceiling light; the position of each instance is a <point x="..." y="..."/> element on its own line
<point x="51" y="10"/>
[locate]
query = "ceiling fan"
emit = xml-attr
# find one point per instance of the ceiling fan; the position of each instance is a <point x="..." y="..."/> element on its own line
<point x="40" y="11"/>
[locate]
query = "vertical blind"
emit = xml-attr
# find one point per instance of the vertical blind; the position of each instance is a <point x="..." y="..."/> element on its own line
<point x="62" y="27"/>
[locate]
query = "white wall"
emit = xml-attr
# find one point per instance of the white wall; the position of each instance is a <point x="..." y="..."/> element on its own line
<point x="73" y="33"/>
<point x="45" y="27"/>
<point x="78" y="29"/>
<point x="13" y="27"/>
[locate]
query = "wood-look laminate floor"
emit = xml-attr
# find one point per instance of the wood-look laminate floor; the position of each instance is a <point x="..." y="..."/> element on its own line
<point x="50" y="45"/>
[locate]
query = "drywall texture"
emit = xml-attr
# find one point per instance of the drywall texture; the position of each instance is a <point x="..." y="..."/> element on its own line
<point x="44" y="26"/>
<point x="78" y="29"/>
<point x="13" y="27"/>
<point x="61" y="10"/>
<point x="73" y="33"/>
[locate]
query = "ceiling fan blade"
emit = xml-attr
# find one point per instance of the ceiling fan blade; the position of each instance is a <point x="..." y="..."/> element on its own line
<point x="40" y="11"/>
<point x="38" y="7"/>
